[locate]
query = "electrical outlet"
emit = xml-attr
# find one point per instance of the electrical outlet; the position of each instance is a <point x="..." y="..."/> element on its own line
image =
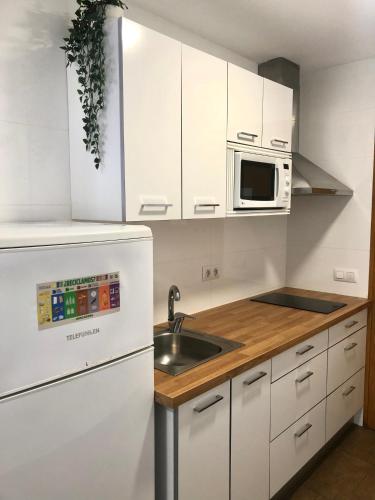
<point x="216" y="272"/>
<point x="206" y="273"/>
<point x="346" y="275"/>
<point x="210" y="273"/>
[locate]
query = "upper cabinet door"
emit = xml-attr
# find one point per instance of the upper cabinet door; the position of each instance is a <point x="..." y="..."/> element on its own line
<point x="245" y="95"/>
<point x="277" y="116"/>
<point x="204" y="116"/>
<point x="152" y="123"/>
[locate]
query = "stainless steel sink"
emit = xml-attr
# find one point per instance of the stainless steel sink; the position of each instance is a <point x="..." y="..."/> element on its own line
<point x="177" y="352"/>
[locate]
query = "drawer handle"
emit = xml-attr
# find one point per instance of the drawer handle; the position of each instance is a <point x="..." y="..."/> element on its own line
<point x="351" y="324"/>
<point x="246" y="135"/>
<point x="254" y="378"/>
<point x="348" y="391"/>
<point x="207" y="204"/>
<point x="155" y="204"/>
<point x="199" y="409"/>
<point x="304" y="377"/>
<point x="350" y="346"/>
<point x="304" y="350"/>
<point x="279" y="141"/>
<point x="302" y="431"/>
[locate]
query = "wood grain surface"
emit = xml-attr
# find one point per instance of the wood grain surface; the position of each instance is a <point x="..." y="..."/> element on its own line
<point x="264" y="329"/>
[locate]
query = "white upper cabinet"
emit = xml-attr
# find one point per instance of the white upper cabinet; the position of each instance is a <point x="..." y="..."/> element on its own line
<point x="277" y="116"/>
<point x="204" y="116"/>
<point x="152" y="123"/>
<point x="245" y="94"/>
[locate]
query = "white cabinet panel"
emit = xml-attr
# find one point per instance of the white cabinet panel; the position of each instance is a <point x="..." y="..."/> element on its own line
<point x="298" y="354"/>
<point x="347" y="327"/>
<point x="296" y="393"/>
<point x="294" y="448"/>
<point x="203" y="446"/>
<point x="250" y="428"/>
<point x="277" y="116"/>
<point x="152" y="123"/>
<point x="345" y="359"/>
<point x="245" y="94"/>
<point x="344" y="403"/>
<point x="204" y="119"/>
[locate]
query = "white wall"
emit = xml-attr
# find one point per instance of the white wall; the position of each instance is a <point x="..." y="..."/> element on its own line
<point x="34" y="149"/>
<point x="250" y="252"/>
<point x="337" y="132"/>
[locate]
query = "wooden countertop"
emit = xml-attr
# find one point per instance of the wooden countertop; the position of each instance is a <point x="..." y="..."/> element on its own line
<point x="265" y="329"/>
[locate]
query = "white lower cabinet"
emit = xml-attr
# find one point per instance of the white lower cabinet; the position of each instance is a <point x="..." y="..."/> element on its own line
<point x="250" y="427"/>
<point x="294" y="447"/>
<point x="203" y="446"/>
<point x="344" y="403"/>
<point x="193" y="448"/>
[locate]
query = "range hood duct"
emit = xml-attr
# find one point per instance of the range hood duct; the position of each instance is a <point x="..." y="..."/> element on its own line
<point x="307" y="178"/>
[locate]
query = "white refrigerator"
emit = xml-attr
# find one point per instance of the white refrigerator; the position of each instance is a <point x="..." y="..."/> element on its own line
<point x="76" y="362"/>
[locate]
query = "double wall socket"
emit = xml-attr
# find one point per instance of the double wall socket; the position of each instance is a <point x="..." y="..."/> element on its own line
<point x="347" y="275"/>
<point x="210" y="273"/>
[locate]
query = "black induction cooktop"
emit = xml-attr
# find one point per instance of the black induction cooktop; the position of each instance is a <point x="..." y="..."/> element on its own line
<point x="298" y="302"/>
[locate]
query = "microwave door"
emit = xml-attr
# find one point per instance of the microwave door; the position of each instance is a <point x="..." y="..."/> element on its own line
<point x="256" y="184"/>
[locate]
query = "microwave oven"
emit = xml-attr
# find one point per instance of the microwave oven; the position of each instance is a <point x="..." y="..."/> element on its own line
<point x="261" y="180"/>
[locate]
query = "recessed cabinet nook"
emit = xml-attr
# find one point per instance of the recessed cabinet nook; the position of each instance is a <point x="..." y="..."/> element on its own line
<point x="247" y="437"/>
<point x="173" y="118"/>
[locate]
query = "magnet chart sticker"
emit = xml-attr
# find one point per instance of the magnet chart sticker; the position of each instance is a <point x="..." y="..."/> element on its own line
<point x="66" y="301"/>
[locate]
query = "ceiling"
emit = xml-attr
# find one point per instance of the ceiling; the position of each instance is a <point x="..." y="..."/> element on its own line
<point x="314" y="34"/>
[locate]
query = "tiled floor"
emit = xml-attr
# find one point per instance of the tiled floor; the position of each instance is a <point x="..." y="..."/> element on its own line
<point x="346" y="473"/>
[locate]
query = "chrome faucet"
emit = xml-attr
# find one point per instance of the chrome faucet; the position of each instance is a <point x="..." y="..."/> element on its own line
<point x="175" y="320"/>
<point x="173" y="295"/>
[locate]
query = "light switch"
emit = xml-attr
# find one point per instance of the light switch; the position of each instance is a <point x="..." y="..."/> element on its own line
<point x="347" y="275"/>
<point x="339" y="274"/>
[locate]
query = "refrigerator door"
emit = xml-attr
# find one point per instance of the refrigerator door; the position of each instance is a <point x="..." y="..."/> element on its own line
<point x="66" y="308"/>
<point x="88" y="437"/>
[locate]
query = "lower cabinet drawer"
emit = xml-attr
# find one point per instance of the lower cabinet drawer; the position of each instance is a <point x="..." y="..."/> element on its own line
<point x="347" y="327"/>
<point x="344" y="403"/>
<point x="298" y="354"/>
<point x="297" y="392"/>
<point x="294" y="447"/>
<point x="345" y="359"/>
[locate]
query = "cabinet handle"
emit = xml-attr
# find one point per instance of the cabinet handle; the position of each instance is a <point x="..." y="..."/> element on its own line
<point x="246" y="135"/>
<point x="156" y="204"/>
<point x="304" y="377"/>
<point x="351" y="324"/>
<point x="348" y="391"/>
<point x="302" y="431"/>
<point x="254" y="378"/>
<point x="280" y="141"/>
<point x="207" y="204"/>
<point x="304" y="349"/>
<point x="199" y="409"/>
<point x="350" y="346"/>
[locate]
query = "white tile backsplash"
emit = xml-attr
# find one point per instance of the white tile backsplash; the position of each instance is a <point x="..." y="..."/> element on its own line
<point x="251" y="254"/>
<point x="337" y="132"/>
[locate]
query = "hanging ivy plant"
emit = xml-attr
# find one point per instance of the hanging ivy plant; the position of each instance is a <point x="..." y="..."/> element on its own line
<point x="84" y="46"/>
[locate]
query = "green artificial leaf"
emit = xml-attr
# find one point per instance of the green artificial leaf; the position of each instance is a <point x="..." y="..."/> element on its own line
<point x="84" y="46"/>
